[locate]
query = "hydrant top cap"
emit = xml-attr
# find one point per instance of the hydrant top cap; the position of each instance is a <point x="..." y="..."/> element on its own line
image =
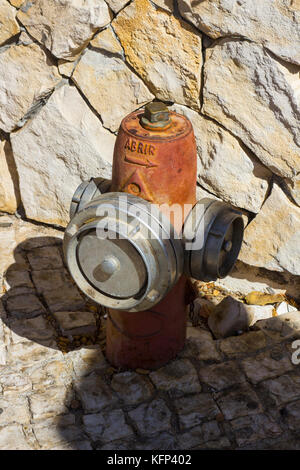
<point x="133" y="125"/>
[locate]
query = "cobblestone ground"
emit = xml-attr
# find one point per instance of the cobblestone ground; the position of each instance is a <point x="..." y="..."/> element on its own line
<point x="57" y="390"/>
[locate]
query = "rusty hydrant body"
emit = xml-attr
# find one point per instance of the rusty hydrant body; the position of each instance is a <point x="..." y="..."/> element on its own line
<point x="161" y="167"/>
<point x="139" y="264"/>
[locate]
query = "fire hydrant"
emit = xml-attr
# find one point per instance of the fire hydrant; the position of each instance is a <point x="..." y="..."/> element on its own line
<point x="133" y="243"/>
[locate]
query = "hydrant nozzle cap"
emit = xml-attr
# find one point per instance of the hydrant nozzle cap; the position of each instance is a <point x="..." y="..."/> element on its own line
<point x="156" y="116"/>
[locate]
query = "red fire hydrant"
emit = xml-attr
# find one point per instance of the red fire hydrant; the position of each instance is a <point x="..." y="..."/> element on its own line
<point x="133" y="243"/>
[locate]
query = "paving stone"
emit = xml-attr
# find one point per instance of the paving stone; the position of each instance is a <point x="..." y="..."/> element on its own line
<point x="293" y="415"/>
<point x="14" y="383"/>
<point x="192" y="410"/>
<point x="278" y="351"/>
<point x="54" y="373"/>
<point x="18" y="291"/>
<point x="76" y="323"/>
<point x="218" y="444"/>
<point x="191" y="438"/>
<point x="63" y="420"/>
<point x="75" y="445"/>
<point x="12" y="438"/>
<point x="66" y="298"/>
<point x="177" y="378"/>
<point x="290" y="328"/>
<point x="14" y="411"/>
<point x="275" y="337"/>
<point x="131" y="387"/>
<point x="285" y="324"/>
<point x="272" y="324"/>
<point x="7" y="246"/>
<point x="45" y="257"/>
<point x="107" y="426"/>
<point x="199" y="435"/>
<point x="282" y="389"/>
<point x="24" y="306"/>
<point x="118" y="445"/>
<point x="290" y="444"/>
<point x="35" y="329"/>
<point x="3" y="317"/>
<point x="49" y="403"/>
<point x="87" y="360"/>
<point x="151" y="418"/>
<point x="40" y="236"/>
<point x="52" y="436"/>
<point x="38" y="378"/>
<point x="248" y="342"/>
<point x="3" y="356"/>
<point x="200" y="344"/>
<point x="163" y="441"/>
<point x="28" y="352"/>
<point x="69" y="320"/>
<point x="5" y="332"/>
<point x="210" y="431"/>
<point x="291" y="321"/>
<point x="30" y="436"/>
<point x="264" y="367"/>
<point x="9" y="191"/>
<point x="198" y="333"/>
<point x="253" y="428"/>
<point x="17" y="278"/>
<point x="241" y="401"/>
<point x="47" y="280"/>
<point x="2" y="334"/>
<point x="95" y="395"/>
<point x="5" y="221"/>
<point x="19" y="238"/>
<point x="221" y="376"/>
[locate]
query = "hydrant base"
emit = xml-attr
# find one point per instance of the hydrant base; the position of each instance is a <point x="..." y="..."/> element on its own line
<point x="151" y="338"/>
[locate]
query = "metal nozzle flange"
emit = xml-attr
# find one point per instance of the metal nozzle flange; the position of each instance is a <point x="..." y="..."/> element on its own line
<point x="213" y="235"/>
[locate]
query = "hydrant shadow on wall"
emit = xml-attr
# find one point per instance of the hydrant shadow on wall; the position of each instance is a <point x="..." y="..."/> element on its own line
<point x="133" y="242"/>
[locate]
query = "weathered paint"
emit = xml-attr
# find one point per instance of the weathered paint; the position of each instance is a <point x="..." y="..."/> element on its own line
<point x="161" y="167"/>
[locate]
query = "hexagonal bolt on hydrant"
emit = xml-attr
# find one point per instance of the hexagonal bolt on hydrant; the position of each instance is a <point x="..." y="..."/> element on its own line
<point x="144" y="280"/>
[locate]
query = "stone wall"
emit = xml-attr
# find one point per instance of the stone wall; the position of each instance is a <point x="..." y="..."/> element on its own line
<point x="70" y="70"/>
